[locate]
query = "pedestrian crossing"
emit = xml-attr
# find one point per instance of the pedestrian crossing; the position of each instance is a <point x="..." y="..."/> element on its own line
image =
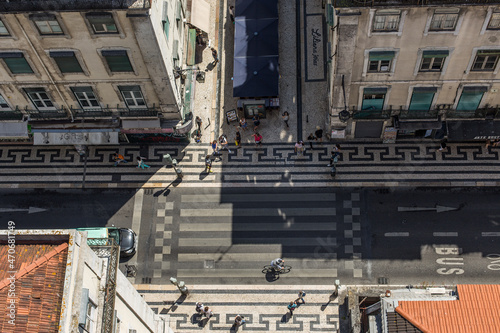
<point x="230" y="235"/>
<point x="263" y="307"/>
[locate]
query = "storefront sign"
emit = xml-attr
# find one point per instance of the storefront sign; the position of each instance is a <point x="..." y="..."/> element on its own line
<point x="75" y="138"/>
<point x="156" y="137"/>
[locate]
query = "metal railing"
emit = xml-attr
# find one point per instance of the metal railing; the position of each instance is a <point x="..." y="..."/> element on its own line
<point x="418" y="114"/>
<point x="108" y="249"/>
<point x="46" y="114"/>
<point x="11" y="115"/>
<point x="371" y="114"/>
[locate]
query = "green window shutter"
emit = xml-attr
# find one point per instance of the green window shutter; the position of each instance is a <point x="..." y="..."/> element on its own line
<point x="424" y="90"/>
<point x="374" y="91"/>
<point x="178" y="14"/>
<point x="436" y="54"/>
<point x="330" y="15"/>
<point x="469" y="100"/>
<point x="166" y="27"/>
<point x="488" y="52"/>
<point x="18" y="65"/>
<point x="421" y="99"/>
<point x="382" y="55"/>
<point x="118" y="61"/>
<point x="67" y="62"/>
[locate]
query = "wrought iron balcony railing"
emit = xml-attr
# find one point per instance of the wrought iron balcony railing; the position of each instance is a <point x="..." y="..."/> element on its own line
<point x="489" y="113"/>
<point x="418" y="114"/>
<point x="371" y="114"/>
<point x="11" y="115"/>
<point x="109" y="112"/>
<point x="46" y="114"/>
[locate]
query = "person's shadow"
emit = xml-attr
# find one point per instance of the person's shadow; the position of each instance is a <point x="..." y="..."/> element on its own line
<point x="210" y="66"/>
<point x="174" y="305"/>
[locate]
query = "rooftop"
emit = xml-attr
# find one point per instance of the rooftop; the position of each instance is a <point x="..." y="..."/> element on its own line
<point x="70" y="5"/>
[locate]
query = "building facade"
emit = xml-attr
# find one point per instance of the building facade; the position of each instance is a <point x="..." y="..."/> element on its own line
<point x="91" y="72"/>
<point x="415" y="69"/>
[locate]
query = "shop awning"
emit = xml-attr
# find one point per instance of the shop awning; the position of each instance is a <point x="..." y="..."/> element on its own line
<point x="90" y="137"/>
<point x="469" y="130"/>
<point x="419" y="125"/>
<point x="200" y="15"/>
<point x="14" y="129"/>
<point x="146" y="123"/>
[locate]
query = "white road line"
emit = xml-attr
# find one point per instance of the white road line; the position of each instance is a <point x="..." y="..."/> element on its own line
<point x="221" y="242"/>
<point x="397" y="234"/>
<point x="230" y="226"/>
<point x="490" y="234"/>
<point x="300" y="197"/>
<point x="210" y="212"/>
<point x="445" y="234"/>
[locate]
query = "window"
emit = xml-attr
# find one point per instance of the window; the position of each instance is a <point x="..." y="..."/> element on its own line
<point x="47" y="24"/>
<point x="4" y="106"/>
<point x="486" y="60"/>
<point x="386" y="20"/>
<point x="494" y="23"/>
<point x="421" y="99"/>
<point x="132" y="96"/>
<point x="3" y="29"/>
<point x="118" y="61"/>
<point x="470" y="98"/>
<point x="67" y="62"/>
<point x="16" y="62"/>
<point x="102" y="23"/>
<point x="373" y="98"/>
<point x="444" y="19"/>
<point x="165" y="22"/>
<point x="380" y="61"/>
<point x="433" y="61"/>
<point x="86" y="97"/>
<point x="40" y="98"/>
<point x="91" y="317"/>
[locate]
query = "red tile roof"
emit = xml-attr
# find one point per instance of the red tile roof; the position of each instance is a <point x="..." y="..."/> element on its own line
<point x="477" y="310"/>
<point x="39" y="287"/>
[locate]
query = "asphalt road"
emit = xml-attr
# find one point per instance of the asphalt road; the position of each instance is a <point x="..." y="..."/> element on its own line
<point x="226" y="236"/>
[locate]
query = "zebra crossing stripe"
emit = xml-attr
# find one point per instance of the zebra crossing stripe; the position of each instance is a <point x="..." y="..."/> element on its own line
<point x="301" y="197"/>
<point x="304" y="211"/>
<point x="231" y="226"/>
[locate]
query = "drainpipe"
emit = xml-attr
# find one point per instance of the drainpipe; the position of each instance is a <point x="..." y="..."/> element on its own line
<point x="45" y="68"/>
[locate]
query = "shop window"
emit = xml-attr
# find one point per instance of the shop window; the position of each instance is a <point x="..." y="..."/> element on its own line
<point x="421" y="99"/>
<point x="118" y="61"/>
<point x="47" y="24"/>
<point x="373" y="98"/>
<point x="433" y="61"/>
<point x="486" y="60"/>
<point x="3" y="29"/>
<point x="386" y="20"/>
<point x="471" y="98"/>
<point x="4" y="106"/>
<point x="86" y="97"/>
<point x="444" y="19"/>
<point x="380" y="61"/>
<point x="16" y="63"/>
<point x="67" y="62"/>
<point x="132" y="96"/>
<point x="40" y="98"/>
<point x="102" y="23"/>
<point x="494" y="23"/>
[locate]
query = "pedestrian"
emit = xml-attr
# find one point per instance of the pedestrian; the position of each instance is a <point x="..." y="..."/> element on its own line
<point x="198" y="122"/>
<point x="286" y="116"/>
<point x="301" y="296"/>
<point x="239" y="320"/>
<point x="333" y="158"/>
<point x="311" y="138"/>
<point x="140" y="162"/>
<point x="258" y="138"/>
<point x="292" y="306"/>
<point x="199" y="307"/>
<point x="197" y="136"/>
<point x="442" y="146"/>
<point x="224" y="143"/>
<point x="215" y="148"/>
<point x="299" y="147"/>
<point x="207" y="312"/>
<point x="256" y="122"/>
<point x="319" y="134"/>
<point x="237" y="139"/>
<point x="118" y="158"/>
<point x="231" y="13"/>
<point x="214" y="54"/>
<point x="243" y="124"/>
<point x="208" y="163"/>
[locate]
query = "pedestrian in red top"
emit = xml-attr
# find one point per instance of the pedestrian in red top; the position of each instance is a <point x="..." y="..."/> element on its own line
<point x="258" y="138"/>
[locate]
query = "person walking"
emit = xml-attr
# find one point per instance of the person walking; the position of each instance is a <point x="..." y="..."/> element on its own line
<point x="239" y="320"/>
<point x="258" y="138"/>
<point x="301" y="296"/>
<point x="199" y="122"/>
<point x="299" y="147"/>
<point x="319" y="134"/>
<point x="231" y="13"/>
<point x="291" y="307"/>
<point x="243" y="124"/>
<point x="237" y="139"/>
<point x="199" y="307"/>
<point x="442" y="146"/>
<point x="335" y="154"/>
<point x="224" y="143"/>
<point x="118" y="158"/>
<point x="311" y="138"/>
<point x="286" y="117"/>
<point x="140" y="163"/>
<point x="208" y="163"/>
<point x="256" y="122"/>
<point x="215" y="56"/>
<point x="207" y="312"/>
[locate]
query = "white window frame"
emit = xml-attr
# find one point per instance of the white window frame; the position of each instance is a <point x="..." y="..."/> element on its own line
<point x="492" y="11"/>
<point x="7" y="33"/>
<point x="473" y="58"/>
<point x="497" y="56"/>
<point x="361" y="94"/>
<point x="134" y="98"/>
<point x="4" y="102"/>
<point x="398" y="32"/>
<point x="86" y="97"/>
<point x="91" y="318"/>
<point x="45" y="107"/>
<point x="420" y="58"/>
<point x="367" y="62"/>
<point x="444" y="11"/>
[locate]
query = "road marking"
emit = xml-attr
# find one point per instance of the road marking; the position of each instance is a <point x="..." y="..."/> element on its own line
<point x="29" y="210"/>
<point x="210" y="212"/>
<point x="397" y="234"/>
<point x="300" y="197"/>
<point x="221" y="242"/>
<point x="445" y="234"/>
<point x="438" y="209"/>
<point x="230" y="226"/>
<point x="490" y="234"/>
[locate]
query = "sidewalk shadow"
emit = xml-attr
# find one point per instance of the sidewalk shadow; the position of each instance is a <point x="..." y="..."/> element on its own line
<point x="204" y="174"/>
<point x="272" y="277"/>
<point x="174" y="305"/>
<point x="286" y="318"/>
<point x="165" y="191"/>
<point x="210" y="66"/>
<point x="331" y="299"/>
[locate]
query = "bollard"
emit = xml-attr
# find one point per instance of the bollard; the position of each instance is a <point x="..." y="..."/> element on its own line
<point x="180" y="285"/>
<point x="168" y="158"/>
<point x="179" y="173"/>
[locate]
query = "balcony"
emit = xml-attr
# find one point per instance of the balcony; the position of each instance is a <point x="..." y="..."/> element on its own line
<point x="46" y="114"/>
<point x="393" y="3"/>
<point x="418" y="114"/>
<point x="94" y="113"/>
<point x="371" y="114"/>
<point x="484" y="113"/>
<point x="11" y="115"/>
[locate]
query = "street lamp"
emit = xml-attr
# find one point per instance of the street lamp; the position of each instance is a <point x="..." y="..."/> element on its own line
<point x="180" y="285"/>
<point x="173" y="162"/>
